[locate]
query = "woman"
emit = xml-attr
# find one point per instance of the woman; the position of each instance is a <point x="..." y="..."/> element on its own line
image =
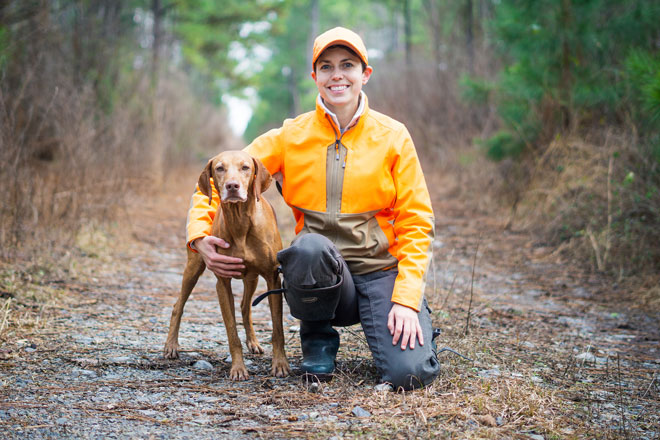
<point x="364" y="222"/>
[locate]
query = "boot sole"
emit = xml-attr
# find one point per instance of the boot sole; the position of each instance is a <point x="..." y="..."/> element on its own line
<point x="316" y="377"/>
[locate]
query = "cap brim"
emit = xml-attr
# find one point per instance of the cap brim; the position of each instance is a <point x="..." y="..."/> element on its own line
<point x="341" y="43"/>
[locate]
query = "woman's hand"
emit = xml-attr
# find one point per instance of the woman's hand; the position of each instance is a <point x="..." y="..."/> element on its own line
<point x="222" y="265"/>
<point x="403" y="324"/>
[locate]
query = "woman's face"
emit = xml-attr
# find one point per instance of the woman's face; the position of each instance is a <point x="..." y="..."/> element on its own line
<point x="339" y="78"/>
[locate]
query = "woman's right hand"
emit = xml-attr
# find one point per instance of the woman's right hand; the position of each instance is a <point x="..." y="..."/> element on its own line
<point x="222" y="265"/>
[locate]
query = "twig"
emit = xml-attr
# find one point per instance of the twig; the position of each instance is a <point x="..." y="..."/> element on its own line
<point x="608" y="235"/>
<point x="455" y="352"/>
<point x="451" y="256"/>
<point x="474" y="264"/>
<point x="38" y="426"/>
<point x="435" y="284"/>
<point x="623" y="416"/>
<point x="594" y="244"/>
<point x="568" y="365"/>
<point x="451" y="289"/>
<point x="584" y="359"/>
<point x="649" y="387"/>
<point x="6" y="315"/>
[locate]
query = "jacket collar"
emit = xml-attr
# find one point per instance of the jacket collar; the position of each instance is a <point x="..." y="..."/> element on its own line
<point x="322" y="110"/>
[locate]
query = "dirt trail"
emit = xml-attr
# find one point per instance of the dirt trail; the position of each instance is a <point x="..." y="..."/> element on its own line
<point x="552" y="355"/>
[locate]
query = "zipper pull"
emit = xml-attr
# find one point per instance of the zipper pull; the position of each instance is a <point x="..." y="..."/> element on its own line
<point x="336" y="150"/>
<point x="345" y="157"/>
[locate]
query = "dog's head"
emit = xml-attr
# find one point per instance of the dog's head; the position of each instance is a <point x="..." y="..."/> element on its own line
<point x="236" y="176"/>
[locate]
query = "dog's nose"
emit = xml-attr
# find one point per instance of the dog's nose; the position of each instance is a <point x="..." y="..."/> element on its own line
<point x="232" y="186"/>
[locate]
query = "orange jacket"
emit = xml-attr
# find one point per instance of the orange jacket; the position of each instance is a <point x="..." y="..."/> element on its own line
<point x="363" y="189"/>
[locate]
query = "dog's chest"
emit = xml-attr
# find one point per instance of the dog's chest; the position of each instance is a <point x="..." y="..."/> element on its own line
<point x="257" y="255"/>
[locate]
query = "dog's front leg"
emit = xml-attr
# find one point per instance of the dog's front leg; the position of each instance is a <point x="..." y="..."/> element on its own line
<point x="226" y="299"/>
<point x="194" y="268"/>
<point x="280" y="365"/>
<point x="249" y="286"/>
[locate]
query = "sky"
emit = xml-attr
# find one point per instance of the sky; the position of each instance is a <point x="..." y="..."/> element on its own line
<point x="239" y="112"/>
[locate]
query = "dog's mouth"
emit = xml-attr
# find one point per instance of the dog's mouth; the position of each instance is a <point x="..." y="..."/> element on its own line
<point x="233" y="195"/>
<point x="234" y="199"/>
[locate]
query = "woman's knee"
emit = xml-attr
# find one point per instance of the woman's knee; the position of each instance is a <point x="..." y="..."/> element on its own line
<point x="311" y="245"/>
<point x="410" y="372"/>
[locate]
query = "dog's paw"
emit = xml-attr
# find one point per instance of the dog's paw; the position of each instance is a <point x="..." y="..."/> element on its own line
<point x="254" y="347"/>
<point x="238" y="372"/>
<point x="171" y="351"/>
<point x="280" y="368"/>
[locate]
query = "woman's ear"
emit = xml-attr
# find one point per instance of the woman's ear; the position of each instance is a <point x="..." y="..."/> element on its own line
<point x="366" y="74"/>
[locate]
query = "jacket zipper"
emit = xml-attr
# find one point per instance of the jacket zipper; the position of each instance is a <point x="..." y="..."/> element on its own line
<point x="336" y="170"/>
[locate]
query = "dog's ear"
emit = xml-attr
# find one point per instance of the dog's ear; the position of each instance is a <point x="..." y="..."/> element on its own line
<point x="204" y="182"/>
<point x="262" y="178"/>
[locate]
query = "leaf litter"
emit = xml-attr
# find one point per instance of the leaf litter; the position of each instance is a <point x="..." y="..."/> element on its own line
<point x="552" y="352"/>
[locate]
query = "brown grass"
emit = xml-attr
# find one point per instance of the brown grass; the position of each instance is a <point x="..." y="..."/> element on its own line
<point x="426" y="98"/>
<point x="68" y="166"/>
<point x="593" y="199"/>
<point x="536" y="385"/>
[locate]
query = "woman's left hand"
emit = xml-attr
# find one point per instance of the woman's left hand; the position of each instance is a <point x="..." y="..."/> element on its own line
<point x="403" y="324"/>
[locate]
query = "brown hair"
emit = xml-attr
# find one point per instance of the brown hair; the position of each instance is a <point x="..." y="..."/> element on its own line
<point x="364" y="65"/>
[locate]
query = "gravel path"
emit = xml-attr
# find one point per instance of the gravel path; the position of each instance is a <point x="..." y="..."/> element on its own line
<point x="536" y="326"/>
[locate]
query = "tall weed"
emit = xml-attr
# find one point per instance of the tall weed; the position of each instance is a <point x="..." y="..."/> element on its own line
<point x="592" y="199"/>
<point x="67" y="160"/>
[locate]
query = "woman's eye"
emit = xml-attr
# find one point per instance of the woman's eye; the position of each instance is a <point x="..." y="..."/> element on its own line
<point x="348" y="65"/>
<point x="325" y="67"/>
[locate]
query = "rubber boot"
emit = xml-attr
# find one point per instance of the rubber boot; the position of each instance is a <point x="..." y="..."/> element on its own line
<point x="320" y="343"/>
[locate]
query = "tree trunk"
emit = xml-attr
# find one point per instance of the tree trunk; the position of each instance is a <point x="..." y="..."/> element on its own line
<point x="4" y="6"/>
<point x="468" y="22"/>
<point x="433" y="16"/>
<point x="157" y="11"/>
<point x="407" y="27"/>
<point x="566" y="79"/>
<point x="294" y="109"/>
<point x="313" y="29"/>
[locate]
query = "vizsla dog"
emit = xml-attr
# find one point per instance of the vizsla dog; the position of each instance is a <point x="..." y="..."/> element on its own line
<point x="247" y="221"/>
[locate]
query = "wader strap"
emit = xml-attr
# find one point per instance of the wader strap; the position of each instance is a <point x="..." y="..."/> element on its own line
<point x="261" y="297"/>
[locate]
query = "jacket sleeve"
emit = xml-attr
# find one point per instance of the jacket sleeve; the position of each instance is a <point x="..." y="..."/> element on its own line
<point x="414" y="224"/>
<point x="267" y="149"/>
<point x="201" y="215"/>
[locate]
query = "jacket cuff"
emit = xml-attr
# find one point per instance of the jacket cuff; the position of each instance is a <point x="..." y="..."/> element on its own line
<point x="408" y="302"/>
<point x="190" y="244"/>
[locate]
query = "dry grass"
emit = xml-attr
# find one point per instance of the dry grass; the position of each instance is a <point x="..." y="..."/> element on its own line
<point x="68" y="166"/>
<point x="431" y="107"/>
<point x="27" y="299"/>
<point x="82" y="125"/>
<point x="525" y="378"/>
<point x="598" y="203"/>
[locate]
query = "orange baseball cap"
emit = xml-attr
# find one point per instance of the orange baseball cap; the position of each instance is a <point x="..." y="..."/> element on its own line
<point x="342" y="36"/>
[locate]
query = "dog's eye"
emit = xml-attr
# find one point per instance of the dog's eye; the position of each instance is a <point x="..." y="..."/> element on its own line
<point x="220" y="169"/>
<point x="245" y="168"/>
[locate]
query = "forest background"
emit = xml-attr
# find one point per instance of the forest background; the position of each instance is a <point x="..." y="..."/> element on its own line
<point x="547" y="111"/>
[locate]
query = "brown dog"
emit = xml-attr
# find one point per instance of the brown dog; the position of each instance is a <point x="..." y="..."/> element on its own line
<point x="247" y="221"/>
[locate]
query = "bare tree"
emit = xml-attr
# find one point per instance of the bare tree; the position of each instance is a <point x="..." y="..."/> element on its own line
<point x="407" y="28"/>
<point x="468" y="23"/>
